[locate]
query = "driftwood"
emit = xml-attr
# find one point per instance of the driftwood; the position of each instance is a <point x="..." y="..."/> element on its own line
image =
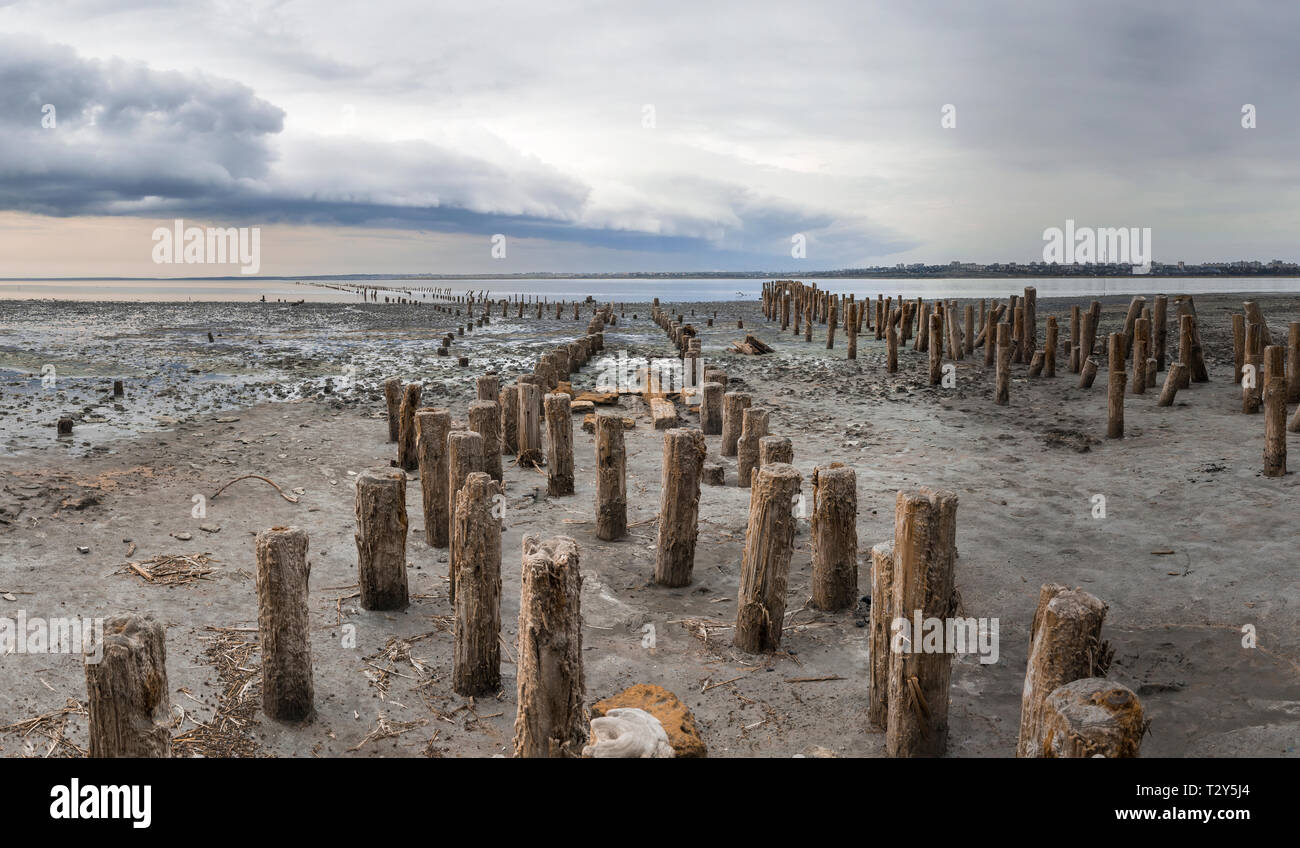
<point x="751" y="346"/>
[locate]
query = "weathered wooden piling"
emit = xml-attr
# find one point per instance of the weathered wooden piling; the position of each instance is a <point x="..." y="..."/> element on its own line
<point x="381" y="538"/>
<point x="834" y="537"/>
<point x="487" y="386"/>
<point x="936" y="348"/>
<point x="284" y="623"/>
<point x="128" y="701"/>
<point x="1142" y="332"/>
<point x="529" y="430"/>
<point x="431" y="428"/>
<point x="1274" y="414"/>
<point x="1293" y="362"/>
<point x="551" y="721"/>
<point x="753" y="427"/>
<point x="683" y="464"/>
<point x="476" y="559"/>
<point x="611" y="479"/>
<point x="1175" y="377"/>
<point x="1251" y="377"/>
<point x="1115" y="380"/>
<point x="1002" y="390"/>
<point x="891" y="334"/>
<point x="765" y="564"/>
<point x="393" y="402"/>
<point x="711" y="408"/>
<point x="407" y="459"/>
<point x="1160" y="330"/>
<point x="485" y="419"/>
<point x="733" y="406"/>
<point x="879" y="633"/>
<point x="1065" y="645"/>
<point x="1092" y="717"/>
<point x="508" y="403"/>
<point x="559" y="448"/>
<point x="774" y="449"/>
<point x="925" y="549"/>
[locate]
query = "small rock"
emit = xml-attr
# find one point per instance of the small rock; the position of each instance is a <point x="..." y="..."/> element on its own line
<point x="182" y="536"/>
<point x="83" y="549"/>
<point x="210" y="528"/>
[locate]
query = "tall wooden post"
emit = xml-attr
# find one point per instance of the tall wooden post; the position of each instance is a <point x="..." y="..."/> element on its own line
<point x="733" y="406"/>
<point x="559" y="456"/>
<point x="393" y="402"/>
<point x="1160" y="330"/>
<point x="925" y="548"/>
<point x="1274" y="413"/>
<point x="611" y="479"/>
<point x="765" y="564"/>
<point x="834" y="537"/>
<point x="407" y="460"/>
<point x="936" y="348"/>
<point x="508" y="402"/>
<point x="679" y="504"/>
<point x="880" y="630"/>
<point x="711" y="409"/>
<point x="284" y="623"/>
<point x="1002" y="390"/>
<point x="530" y="424"/>
<point x="381" y="538"/>
<point x="551" y="721"/>
<point x="1115" y="381"/>
<point x="485" y="419"/>
<point x="476" y="558"/>
<point x="127" y="696"/>
<point x="431" y="429"/>
<point x="753" y="427"/>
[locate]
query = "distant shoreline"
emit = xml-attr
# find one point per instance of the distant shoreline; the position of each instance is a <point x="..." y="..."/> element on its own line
<point x="696" y="275"/>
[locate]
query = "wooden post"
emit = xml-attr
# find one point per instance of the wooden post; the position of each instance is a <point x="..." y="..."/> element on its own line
<point x="464" y="457"/>
<point x="559" y="450"/>
<point x="1064" y="645"/>
<point x="1293" y="362"/>
<point x="1255" y="316"/>
<point x="1076" y="360"/>
<point x="1251" y="378"/>
<point x="1160" y="327"/>
<point x="1030" y="337"/>
<point x="1142" y="332"/>
<point x="1049" y="347"/>
<point x="1134" y="312"/>
<point x="1002" y="391"/>
<point x="679" y="503"/>
<point x="1092" y="717"/>
<point x="127" y="696"/>
<point x="530" y="425"/>
<point x="487" y="386"/>
<point x="970" y="328"/>
<point x="891" y="335"/>
<point x="485" y="419"/>
<point x="284" y="623"/>
<point x="381" y="538"/>
<point x="854" y="316"/>
<point x="765" y="564"/>
<point x="1274" y="414"/>
<point x="711" y="409"/>
<point x="1091" y="321"/>
<point x="733" y="406"/>
<point x="936" y="348"/>
<point x="431" y="429"/>
<point x="1018" y="335"/>
<point x="551" y="721"/>
<point x="1115" y="381"/>
<point x="611" y="479"/>
<point x="508" y="402"/>
<point x="753" y="428"/>
<point x="476" y="558"/>
<point x="1238" y="346"/>
<point x="393" y="402"/>
<point x="774" y="449"/>
<point x="925" y="548"/>
<point x="882" y="593"/>
<point x="1196" y="352"/>
<point x="1175" y="377"/>
<point x="407" y="459"/>
<point x="830" y="326"/>
<point x="834" y="537"/>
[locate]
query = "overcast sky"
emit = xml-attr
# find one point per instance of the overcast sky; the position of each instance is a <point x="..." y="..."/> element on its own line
<point x="389" y="137"/>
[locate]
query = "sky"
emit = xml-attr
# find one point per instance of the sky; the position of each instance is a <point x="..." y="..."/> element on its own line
<point x="416" y="137"/>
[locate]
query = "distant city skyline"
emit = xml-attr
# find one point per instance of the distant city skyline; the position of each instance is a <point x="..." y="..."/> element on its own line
<point x="672" y="137"/>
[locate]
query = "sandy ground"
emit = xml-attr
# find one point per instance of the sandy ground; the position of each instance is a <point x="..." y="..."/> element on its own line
<point x="1185" y="479"/>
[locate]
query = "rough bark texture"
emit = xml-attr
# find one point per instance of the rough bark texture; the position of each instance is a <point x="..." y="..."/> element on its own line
<point x="476" y="557"/>
<point x="559" y="448"/>
<point x="936" y="348"/>
<point x="835" y="537"/>
<point x="882" y="593"/>
<point x="1115" y="381"/>
<point x="1065" y="645"/>
<point x="485" y="419"/>
<point x="1293" y="362"/>
<point x="530" y="424"/>
<point x="1002" y="390"/>
<point x="126" y="691"/>
<point x="753" y="428"/>
<point x="925" y="548"/>
<point x="406" y="456"/>
<point x="774" y="449"/>
<point x="1275" y="424"/>
<point x="1160" y="330"/>
<point x="550" y="721"/>
<point x="765" y="564"/>
<point x="1092" y="718"/>
<point x="464" y="457"/>
<point x="284" y="623"/>
<point x="1174" y="377"/>
<point x="393" y="402"/>
<point x="679" y="506"/>
<point x="733" y="406"/>
<point x="711" y="409"/>
<point x="611" y="479"/>
<point x="508" y="401"/>
<point x="1089" y="373"/>
<point x="431" y="429"/>
<point x="487" y="386"/>
<point x="381" y="538"/>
